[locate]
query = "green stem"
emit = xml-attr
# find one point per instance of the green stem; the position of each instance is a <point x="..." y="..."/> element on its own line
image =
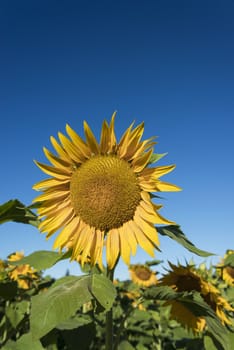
<point x="109" y="318"/>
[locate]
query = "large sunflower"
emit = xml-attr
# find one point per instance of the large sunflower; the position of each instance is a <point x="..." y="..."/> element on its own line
<point x="187" y="278"/>
<point x="99" y="194"/>
<point x="142" y="275"/>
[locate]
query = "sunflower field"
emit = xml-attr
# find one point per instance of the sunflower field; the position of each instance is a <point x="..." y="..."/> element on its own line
<point x="101" y="200"/>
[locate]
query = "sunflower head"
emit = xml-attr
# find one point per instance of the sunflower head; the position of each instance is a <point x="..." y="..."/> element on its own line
<point x="142" y="275"/>
<point x="22" y="274"/>
<point x="187" y="279"/>
<point x="226" y="272"/>
<point x="99" y="193"/>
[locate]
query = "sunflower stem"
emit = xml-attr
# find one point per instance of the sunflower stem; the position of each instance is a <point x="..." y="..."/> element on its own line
<point x="109" y="318"/>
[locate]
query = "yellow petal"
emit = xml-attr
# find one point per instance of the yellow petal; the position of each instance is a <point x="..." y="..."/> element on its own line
<point x="165" y="186"/>
<point x="57" y="162"/>
<point x="96" y="248"/>
<point x="86" y="251"/>
<point x="141" y="162"/>
<point x="112" y="247"/>
<point x="42" y="185"/>
<point x="113" y="141"/>
<point x="162" y="170"/>
<point x="79" y="143"/>
<point x="60" y="150"/>
<point x="57" y="222"/>
<point x="51" y="211"/>
<point x="149" y="214"/>
<point x="147" y="227"/>
<point x="148" y="186"/>
<point x="130" y="237"/>
<point x="129" y="148"/>
<point x="124" y="140"/>
<point x="55" y="172"/>
<point x="59" y="195"/>
<point x="66" y="234"/>
<point x="70" y="148"/>
<point x="124" y="246"/>
<point x="105" y="138"/>
<point x="143" y="241"/>
<point x="90" y="138"/>
<point x="81" y="241"/>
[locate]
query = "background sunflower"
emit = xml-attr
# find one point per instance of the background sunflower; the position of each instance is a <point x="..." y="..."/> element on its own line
<point x="142" y="275"/>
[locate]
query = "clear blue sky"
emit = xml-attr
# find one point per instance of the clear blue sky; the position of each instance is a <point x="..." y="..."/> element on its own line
<point x="168" y="63"/>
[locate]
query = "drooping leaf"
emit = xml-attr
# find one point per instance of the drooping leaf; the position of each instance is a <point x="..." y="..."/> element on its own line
<point x="175" y="233"/>
<point x="14" y="210"/>
<point x="197" y="306"/>
<point x="160" y="293"/>
<point x="42" y="259"/>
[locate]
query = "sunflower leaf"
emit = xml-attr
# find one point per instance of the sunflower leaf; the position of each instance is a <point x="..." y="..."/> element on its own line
<point x="153" y="262"/>
<point x="159" y="293"/>
<point x="42" y="259"/>
<point x="156" y="157"/>
<point x="229" y="260"/>
<point x="60" y="302"/>
<point x="103" y="290"/>
<point x="24" y="342"/>
<point x="197" y="306"/>
<point x="14" y="210"/>
<point x="57" y="304"/>
<point x="175" y="233"/>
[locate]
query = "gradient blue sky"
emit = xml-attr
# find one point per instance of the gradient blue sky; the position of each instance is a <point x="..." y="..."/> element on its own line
<point x="168" y="63"/>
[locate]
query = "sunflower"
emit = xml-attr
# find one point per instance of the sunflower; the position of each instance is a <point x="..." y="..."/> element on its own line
<point x="187" y="278"/>
<point x="226" y="272"/>
<point x="99" y="194"/>
<point x="142" y="275"/>
<point x="23" y="274"/>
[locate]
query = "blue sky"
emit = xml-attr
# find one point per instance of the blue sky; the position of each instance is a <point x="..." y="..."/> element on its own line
<point x="167" y="63"/>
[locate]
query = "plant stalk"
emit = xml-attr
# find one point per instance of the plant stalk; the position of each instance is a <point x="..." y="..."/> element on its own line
<point x="109" y="318"/>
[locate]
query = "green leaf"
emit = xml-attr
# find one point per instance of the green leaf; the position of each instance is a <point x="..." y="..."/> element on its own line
<point x="60" y="302"/>
<point x="103" y="290"/>
<point x="57" y="304"/>
<point x="23" y="343"/>
<point x="218" y="333"/>
<point x="175" y="233"/>
<point x="14" y="210"/>
<point x="160" y="293"/>
<point x="125" y="345"/>
<point x="229" y="261"/>
<point x="195" y="303"/>
<point x="16" y="312"/>
<point x="42" y="259"/>
<point x="156" y="157"/>
<point x="153" y="262"/>
<point x="75" y="322"/>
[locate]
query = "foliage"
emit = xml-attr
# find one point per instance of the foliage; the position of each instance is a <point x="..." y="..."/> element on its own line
<point x="70" y="313"/>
